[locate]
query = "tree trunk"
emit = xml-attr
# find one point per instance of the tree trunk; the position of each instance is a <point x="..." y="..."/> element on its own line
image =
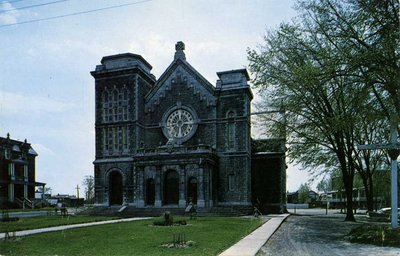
<point x="370" y="195"/>
<point x="348" y="186"/>
<point x="367" y="182"/>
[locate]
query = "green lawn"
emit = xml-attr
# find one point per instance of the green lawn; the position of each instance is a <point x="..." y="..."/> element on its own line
<point x="48" y="221"/>
<point x="211" y="236"/>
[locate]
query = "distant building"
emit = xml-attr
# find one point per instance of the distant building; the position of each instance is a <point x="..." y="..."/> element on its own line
<point x="168" y="141"/>
<point x="294" y="198"/>
<point x="17" y="173"/>
<point x="66" y="200"/>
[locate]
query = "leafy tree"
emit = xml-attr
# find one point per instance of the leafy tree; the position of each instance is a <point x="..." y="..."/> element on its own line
<point x="304" y="192"/>
<point x="318" y="76"/>
<point x="88" y="183"/>
<point x="367" y="33"/>
<point x="324" y="185"/>
<point x="47" y="190"/>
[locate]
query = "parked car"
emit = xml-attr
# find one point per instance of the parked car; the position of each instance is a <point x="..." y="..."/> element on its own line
<point x="383" y="214"/>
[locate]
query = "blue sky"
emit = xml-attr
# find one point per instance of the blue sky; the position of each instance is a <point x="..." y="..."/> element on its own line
<point x="47" y="92"/>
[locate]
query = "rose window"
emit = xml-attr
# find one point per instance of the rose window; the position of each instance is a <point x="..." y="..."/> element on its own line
<point x="179" y="123"/>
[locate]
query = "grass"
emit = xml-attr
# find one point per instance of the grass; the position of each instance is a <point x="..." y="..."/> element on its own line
<point x="381" y="235"/>
<point x="48" y="221"/>
<point x="211" y="235"/>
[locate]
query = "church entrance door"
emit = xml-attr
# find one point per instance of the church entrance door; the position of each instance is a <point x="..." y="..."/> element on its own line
<point x="150" y="191"/>
<point x="115" y="188"/>
<point x="171" y="187"/>
<point x="192" y="190"/>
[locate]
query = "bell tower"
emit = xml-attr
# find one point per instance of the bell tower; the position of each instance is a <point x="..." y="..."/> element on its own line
<point x="121" y="82"/>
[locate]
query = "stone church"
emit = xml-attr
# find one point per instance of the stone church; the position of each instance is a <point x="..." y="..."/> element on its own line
<point x="162" y="143"/>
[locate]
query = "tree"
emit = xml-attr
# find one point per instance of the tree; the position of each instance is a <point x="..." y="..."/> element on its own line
<point x="304" y="192"/>
<point x="324" y="185"/>
<point x="88" y="183"/>
<point x="367" y="32"/>
<point x="307" y="68"/>
<point x="47" y="190"/>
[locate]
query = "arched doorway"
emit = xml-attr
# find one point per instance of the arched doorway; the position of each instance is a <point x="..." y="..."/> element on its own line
<point x="192" y="190"/>
<point x="171" y="187"/>
<point x="116" y="188"/>
<point x="150" y="191"/>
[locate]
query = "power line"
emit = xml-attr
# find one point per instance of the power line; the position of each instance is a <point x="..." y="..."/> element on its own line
<point x="15" y="1"/>
<point x="74" y="14"/>
<point x="32" y="6"/>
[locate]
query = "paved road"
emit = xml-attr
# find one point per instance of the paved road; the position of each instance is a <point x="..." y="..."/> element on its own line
<point x="318" y="235"/>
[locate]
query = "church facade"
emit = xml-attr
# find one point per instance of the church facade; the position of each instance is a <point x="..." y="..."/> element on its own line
<point x="173" y="140"/>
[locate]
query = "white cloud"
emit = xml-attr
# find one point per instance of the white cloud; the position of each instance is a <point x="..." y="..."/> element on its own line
<point x="155" y="48"/>
<point x="67" y="47"/>
<point x="16" y="103"/>
<point x="42" y="150"/>
<point x="8" y="17"/>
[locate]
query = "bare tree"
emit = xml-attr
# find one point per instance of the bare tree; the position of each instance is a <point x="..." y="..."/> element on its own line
<point x="88" y="184"/>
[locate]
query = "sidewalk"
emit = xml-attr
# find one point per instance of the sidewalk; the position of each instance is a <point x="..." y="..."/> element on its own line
<point x="59" y="228"/>
<point x="252" y="243"/>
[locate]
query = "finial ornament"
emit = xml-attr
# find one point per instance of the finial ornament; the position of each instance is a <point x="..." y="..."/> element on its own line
<point x="179" y="48"/>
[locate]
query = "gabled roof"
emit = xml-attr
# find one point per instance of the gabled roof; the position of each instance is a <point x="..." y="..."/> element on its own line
<point x="180" y="60"/>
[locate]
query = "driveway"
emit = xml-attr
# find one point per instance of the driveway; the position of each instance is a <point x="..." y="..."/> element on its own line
<point x="314" y="233"/>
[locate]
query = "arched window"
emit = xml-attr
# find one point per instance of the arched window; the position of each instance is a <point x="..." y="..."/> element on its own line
<point x="105" y="106"/>
<point x="120" y="138"/>
<point x="105" y="140"/>
<point x="125" y="104"/>
<point x="192" y="190"/>
<point x="115" y="184"/>
<point x="115" y="95"/>
<point x="150" y="191"/>
<point x="231" y="130"/>
<point x="125" y="138"/>
<point x="110" y="139"/>
<point x="231" y="182"/>
<point x="105" y="98"/>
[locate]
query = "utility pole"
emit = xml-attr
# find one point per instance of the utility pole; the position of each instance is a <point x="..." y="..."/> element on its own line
<point x="77" y="190"/>
<point x="393" y="150"/>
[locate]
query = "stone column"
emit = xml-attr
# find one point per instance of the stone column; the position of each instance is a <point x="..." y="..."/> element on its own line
<point x="157" y="201"/>
<point x="182" y="183"/>
<point x="26" y="181"/>
<point x="200" y="189"/>
<point x="11" y="172"/>
<point x="140" y="201"/>
<point x="210" y="188"/>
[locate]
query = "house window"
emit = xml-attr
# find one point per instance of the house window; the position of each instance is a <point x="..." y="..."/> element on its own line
<point x="7" y="153"/>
